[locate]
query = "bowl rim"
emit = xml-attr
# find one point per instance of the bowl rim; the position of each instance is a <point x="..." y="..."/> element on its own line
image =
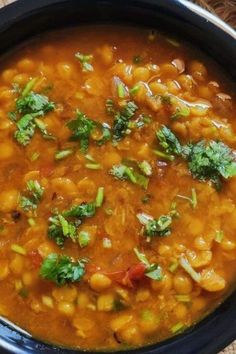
<point x="16" y="340"/>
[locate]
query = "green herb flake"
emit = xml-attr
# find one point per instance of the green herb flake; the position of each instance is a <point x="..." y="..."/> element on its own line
<point x="168" y="141"/>
<point x="180" y="112"/>
<point x="159" y="227"/>
<point x="85" y="61"/>
<point x="62" y="269"/>
<point x="121" y="90"/>
<point x="84" y="239"/>
<point x="219" y="236"/>
<point x="99" y="197"/>
<point x="211" y="161"/>
<point x="62" y="154"/>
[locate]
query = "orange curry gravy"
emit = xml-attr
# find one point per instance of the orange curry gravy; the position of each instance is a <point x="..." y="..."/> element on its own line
<point x="136" y="286"/>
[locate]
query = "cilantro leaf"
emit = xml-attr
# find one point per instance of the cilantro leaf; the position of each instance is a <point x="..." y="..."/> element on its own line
<point x="121" y="120"/>
<point x="153" y="271"/>
<point x="168" y="141"/>
<point x="34" y="103"/>
<point x="210" y="161"/>
<point x="82" y="128"/>
<point x="159" y="227"/>
<point x="124" y="172"/>
<point x="60" y="229"/>
<point x="61" y="269"/>
<point x="35" y="193"/>
<point x="85" y="61"/>
<point x="85" y="210"/>
<point x="26" y="129"/>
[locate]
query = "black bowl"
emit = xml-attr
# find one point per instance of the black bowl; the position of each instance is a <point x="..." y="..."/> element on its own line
<point x="26" y="18"/>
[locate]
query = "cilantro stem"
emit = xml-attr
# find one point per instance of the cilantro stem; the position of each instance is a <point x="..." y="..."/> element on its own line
<point x="29" y="86"/>
<point x="163" y="155"/>
<point x="99" y="197"/>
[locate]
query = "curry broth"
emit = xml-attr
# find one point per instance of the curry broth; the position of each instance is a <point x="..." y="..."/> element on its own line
<point x="133" y="308"/>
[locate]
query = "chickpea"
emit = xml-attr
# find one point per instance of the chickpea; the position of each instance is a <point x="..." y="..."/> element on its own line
<point x="205" y="92"/>
<point x="27" y="278"/>
<point x="17" y="264"/>
<point x="83" y="300"/>
<point x="141" y="74"/>
<point x="198" y="304"/>
<point x="131" y="335"/>
<point x="120" y="322"/>
<point x="211" y="281"/>
<point x="173" y="87"/>
<point x="66" y="293"/>
<point x="4" y="269"/>
<point x="142" y="295"/>
<point x="196" y="226"/>
<point x="83" y="325"/>
<point x="65" y="186"/>
<point x="164" y="284"/>
<point x="21" y="79"/>
<point x="181" y="311"/>
<point x="45" y="249"/>
<point x="201" y="244"/>
<point x="9" y="200"/>
<point x="200" y="258"/>
<point x="106" y="54"/>
<point x="7" y="150"/>
<point x="86" y="187"/>
<point x="182" y="284"/>
<point x="164" y="250"/>
<point x="168" y="71"/>
<point x="186" y="82"/>
<point x="8" y="74"/>
<point x="66" y="308"/>
<point x="148" y="322"/>
<point x="26" y="65"/>
<point x="94" y="86"/>
<point x="47" y="301"/>
<point x="158" y="88"/>
<point x="227" y="245"/>
<point x="110" y="159"/>
<point x="65" y="70"/>
<point x="105" y="302"/>
<point x="144" y="151"/>
<point x="198" y="70"/>
<point x="99" y="282"/>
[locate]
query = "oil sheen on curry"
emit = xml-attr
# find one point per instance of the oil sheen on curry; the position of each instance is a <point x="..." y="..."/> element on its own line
<point x="118" y="187"/>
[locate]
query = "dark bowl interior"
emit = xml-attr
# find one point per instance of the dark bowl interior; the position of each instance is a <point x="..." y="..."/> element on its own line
<point x="26" y="18"/>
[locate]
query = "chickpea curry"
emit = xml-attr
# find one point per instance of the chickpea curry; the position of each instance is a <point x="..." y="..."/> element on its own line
<point x="118" y="187"/>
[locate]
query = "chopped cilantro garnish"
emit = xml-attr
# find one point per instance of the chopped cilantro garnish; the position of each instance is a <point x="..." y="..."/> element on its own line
<point x="34" y="103"/>
<point x="62" y="154"/>
<point x="35" y="193"/>
<point x="61" y="269"/>
<point x="85" y="61"/>
<point x="180" y="112"/>
<point x="30" y="105"/>
<point x="124" y="172"/>
<point x="146" y="168"/>
<point x="82" y="128"/>
<point x="210" y="161"/>
<point x="85" y="210"/>
<point x="84" y="239"/>
<point x="159" y="227"/>
<point x="168" y="141"/>
<point x="60" y="229"/>
<point x="121" y="120"/>
<point x="153" y="271"/>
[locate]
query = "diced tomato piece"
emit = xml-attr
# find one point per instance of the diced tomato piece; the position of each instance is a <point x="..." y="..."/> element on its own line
<point x="36" y="259"/>
<point x="130" y="276"/>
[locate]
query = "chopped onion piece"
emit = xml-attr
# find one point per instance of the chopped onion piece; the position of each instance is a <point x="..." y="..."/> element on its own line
<point x="189" y="269"/>
<point x="144" y="218"/>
